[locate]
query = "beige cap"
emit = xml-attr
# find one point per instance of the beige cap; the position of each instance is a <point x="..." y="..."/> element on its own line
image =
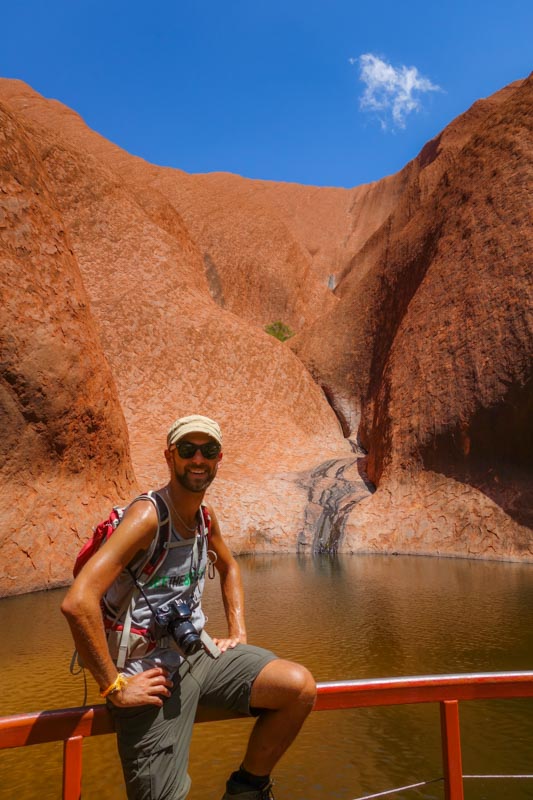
<point x="194" y="423"/>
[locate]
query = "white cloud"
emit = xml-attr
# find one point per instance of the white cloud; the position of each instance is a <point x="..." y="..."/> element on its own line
<point x="391" y="92"/>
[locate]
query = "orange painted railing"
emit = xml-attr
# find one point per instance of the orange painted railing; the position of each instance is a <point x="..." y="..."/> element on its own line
<point x="72" y="725"/>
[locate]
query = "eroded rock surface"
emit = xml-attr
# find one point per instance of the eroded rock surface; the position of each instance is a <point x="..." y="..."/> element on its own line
<point x="134" y="294"/>
<point x="64" y="445"/>
<point x="432" y="343"/>
<point x="171" y="348"/>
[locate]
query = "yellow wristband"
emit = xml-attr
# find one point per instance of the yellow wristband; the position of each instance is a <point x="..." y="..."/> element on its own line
<point x="118" y="684"/>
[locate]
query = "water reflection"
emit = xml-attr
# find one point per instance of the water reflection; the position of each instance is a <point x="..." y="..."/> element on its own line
<point x="345" y="617"/>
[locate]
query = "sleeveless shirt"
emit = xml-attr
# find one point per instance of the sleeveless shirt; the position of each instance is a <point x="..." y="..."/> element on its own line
<point x="180" y="577"/>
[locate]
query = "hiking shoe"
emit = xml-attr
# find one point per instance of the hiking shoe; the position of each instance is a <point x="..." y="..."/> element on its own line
<point x="248" y="794"/>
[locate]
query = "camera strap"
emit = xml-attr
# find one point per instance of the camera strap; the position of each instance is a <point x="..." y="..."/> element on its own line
<point x="208" y="643"/>
<point x="195" y="563"/>
<point x="140" y="588"/>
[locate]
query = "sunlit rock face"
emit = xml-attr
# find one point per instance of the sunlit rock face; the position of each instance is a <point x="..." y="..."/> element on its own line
<point x="64" y="443"/>
<point x="432" y="344"/>
<point x="162" y="346"/>
<point x="135" y="294"/>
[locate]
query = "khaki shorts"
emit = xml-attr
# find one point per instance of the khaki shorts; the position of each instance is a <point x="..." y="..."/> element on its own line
<point x="154" y="742"/>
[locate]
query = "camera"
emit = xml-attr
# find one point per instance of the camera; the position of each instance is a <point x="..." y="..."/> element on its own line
<point x="175" y="618"/>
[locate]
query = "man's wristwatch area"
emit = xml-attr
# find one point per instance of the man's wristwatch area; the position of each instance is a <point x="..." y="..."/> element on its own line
<point x="118" y="684"/>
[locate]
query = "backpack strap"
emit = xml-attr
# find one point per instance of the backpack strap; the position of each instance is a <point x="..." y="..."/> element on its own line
<point x="123" y="646"/>
<point x="153" y="560"/>
<point x="158" y="550"/>
<point x="206" y="523"/>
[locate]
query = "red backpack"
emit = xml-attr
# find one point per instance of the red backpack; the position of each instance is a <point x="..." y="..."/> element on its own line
<point x="156" y="553"/>
<point x="101" y="534"/>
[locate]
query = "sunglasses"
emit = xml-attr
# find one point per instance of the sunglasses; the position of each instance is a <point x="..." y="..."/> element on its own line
<point x="187" y="449"/>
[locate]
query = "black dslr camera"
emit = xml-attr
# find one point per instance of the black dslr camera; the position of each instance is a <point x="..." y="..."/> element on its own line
<point x="175" y="618"/>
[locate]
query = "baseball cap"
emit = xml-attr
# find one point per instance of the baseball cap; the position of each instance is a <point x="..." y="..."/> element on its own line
<point x="194" y="423"/>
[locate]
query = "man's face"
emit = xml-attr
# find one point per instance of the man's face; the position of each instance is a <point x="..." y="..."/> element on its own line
<point x="197" y="472"/>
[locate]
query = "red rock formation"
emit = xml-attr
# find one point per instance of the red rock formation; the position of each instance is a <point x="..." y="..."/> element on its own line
<point x="64" y="442"/>
<point x="432" y="340"/>
<point x="424" y="346"/>
<point x="172" y="349"/>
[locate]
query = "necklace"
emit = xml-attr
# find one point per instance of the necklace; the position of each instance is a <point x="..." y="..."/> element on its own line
<point x="187" y="527"/>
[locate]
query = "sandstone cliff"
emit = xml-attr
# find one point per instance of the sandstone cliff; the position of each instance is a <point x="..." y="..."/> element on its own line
<point x="135" y="293"/>
<point x="64" y="440"/>
<point x="432" y="342"/>
<point x="170" y="348"/>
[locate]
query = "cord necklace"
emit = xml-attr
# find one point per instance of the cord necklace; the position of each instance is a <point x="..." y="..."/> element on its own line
<point x="187" y="527"/>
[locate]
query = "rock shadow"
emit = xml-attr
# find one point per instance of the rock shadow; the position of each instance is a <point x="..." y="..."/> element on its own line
<point x="493" y="452"/>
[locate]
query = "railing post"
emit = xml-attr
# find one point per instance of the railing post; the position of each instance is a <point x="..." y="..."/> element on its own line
<point x="72" y="756"/>
<point x="451" y="750"/>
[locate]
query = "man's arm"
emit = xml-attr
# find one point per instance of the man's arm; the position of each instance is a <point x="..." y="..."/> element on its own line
<point x="81" y="607"/>
<point x="231" y="586"/>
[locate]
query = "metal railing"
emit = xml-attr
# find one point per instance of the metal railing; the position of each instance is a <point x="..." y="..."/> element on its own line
<point x="72" y="725"/>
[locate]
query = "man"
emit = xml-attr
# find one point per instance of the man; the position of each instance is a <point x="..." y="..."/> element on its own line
<point x="154" y="698"/>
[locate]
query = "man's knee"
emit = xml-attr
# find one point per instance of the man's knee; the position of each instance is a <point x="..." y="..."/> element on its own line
<point x="302" y="682"/>
<point x="282" y="683"/>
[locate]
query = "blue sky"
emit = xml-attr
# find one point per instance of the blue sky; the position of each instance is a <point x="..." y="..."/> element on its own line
<point x="329" y="93"/>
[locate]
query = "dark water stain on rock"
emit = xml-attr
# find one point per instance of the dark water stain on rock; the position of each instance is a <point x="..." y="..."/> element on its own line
<point x="213" y="280"/>
<point x="333" y="489"/>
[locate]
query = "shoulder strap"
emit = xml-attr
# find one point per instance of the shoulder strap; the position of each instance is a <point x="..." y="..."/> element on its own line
<point x="206" y="523"/>
<point x="157" y="552"/>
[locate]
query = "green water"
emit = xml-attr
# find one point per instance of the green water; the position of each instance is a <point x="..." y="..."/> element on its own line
<point x="350" y="617"/>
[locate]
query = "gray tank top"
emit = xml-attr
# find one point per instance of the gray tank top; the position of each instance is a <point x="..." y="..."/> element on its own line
<point x="180" y="577"/>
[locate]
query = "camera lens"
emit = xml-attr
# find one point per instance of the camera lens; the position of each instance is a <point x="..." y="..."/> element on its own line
<point x="183" y="631"/>
<point x="190" y="643"/>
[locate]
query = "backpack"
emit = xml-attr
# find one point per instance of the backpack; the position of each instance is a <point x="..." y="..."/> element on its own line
<point x="158" y="551"/>
<point x="101" y="534"/>
<point x="105" y="529"/>
<point x="155" y="557"/>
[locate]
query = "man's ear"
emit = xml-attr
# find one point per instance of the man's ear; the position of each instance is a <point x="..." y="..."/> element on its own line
<point x="168" y="457"/>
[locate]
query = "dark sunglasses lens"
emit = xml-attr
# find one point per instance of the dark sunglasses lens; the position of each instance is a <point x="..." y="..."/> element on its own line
<point x="188" y="449"/>
<point x="210" y="450"/>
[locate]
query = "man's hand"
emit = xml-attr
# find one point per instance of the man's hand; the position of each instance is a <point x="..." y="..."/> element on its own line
<point x="229" y="642"/>
<point x="145" y="688"/>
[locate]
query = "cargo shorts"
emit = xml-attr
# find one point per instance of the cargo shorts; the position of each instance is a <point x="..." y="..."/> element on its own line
<point x="154" y="742"/>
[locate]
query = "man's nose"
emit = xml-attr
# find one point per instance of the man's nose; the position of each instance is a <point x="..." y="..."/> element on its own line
<point x="198" y="457"/>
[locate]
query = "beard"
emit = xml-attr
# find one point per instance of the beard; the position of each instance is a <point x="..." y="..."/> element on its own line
<point x="195" y="482"/>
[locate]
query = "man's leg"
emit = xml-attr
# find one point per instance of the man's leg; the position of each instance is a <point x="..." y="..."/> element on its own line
<point x="285" y="694"/>
<point x="281" y="694"/>
<point x="154" y="742"/>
